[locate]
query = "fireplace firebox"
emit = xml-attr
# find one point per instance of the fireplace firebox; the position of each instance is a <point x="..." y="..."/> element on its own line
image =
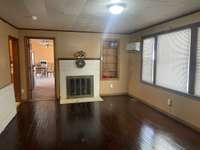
<point x="79" y="86"/>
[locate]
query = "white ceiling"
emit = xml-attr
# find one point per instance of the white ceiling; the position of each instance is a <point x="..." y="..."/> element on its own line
<point x="92" y="15"/>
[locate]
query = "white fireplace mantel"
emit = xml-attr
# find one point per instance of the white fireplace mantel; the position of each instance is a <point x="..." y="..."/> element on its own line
<point x="69" y="68"/>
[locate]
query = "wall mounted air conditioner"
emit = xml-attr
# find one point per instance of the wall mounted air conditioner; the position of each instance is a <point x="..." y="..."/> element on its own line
<point x="133" y="46"/>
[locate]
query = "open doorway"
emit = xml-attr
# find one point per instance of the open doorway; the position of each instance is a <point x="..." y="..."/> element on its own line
<point x="42" y="69"/>
<point x="15" y="66"/>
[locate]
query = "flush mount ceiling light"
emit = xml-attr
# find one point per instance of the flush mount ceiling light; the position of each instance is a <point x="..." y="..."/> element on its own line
<point x="34" y="17"/>
<point x="117" y="8"/>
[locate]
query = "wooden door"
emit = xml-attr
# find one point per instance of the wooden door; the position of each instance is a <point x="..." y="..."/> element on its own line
<point x="15" y="66"/>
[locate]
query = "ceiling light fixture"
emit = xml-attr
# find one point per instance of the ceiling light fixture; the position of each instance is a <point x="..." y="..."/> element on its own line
<point x="116" y="8"/>
<point x="115" y="1"/>
<point x="34" y="17"/>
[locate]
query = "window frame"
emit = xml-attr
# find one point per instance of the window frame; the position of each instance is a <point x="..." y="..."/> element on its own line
<point x="192" y="63"/>
<point x="118" y="59"/>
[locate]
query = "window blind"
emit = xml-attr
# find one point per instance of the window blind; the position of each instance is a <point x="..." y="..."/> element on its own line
<point x="197" y="73"/>
<point x="173" y="57"/>
<point x="148" y="59"/>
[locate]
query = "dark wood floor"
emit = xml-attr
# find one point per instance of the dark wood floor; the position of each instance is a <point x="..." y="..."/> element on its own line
<point x="118" y="123"/>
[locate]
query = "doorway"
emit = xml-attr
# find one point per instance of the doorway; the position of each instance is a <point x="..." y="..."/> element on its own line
<point x="13" y="45"/>
<point x="42" y="69"/>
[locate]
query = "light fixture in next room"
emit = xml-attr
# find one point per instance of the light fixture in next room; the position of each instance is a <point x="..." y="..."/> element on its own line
<point x="34" y="17"/>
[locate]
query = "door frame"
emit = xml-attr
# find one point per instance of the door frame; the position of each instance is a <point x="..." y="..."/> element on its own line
<point x="27" y="63"/>
<point x="18" y="99"/>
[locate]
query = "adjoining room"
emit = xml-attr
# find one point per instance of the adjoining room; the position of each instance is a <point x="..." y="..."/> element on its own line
<point x="42" y="65"/>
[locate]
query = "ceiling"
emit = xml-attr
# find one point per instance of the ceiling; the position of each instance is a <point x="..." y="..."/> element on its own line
<point x="92" y="15"/>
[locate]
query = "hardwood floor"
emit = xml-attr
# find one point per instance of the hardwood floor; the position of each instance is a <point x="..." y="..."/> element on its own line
<point x="118" y="123"/>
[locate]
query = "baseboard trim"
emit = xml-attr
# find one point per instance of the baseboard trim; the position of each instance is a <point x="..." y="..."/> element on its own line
<point x="114" y="94"/>
<point x="185" y="123"/>
<point x="7" y="120"/>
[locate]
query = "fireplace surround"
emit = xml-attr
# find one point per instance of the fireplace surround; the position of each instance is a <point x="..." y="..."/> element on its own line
<point x="68" y="68"/>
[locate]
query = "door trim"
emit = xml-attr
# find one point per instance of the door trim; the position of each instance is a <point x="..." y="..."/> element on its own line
<point x="27" y="61"/>
<point x="18" y="72"/>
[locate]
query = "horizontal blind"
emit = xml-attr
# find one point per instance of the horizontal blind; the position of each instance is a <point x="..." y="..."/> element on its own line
<point x="148" y="60"/>
<point x="173" y="57"/>
<point x="197" y="74"/>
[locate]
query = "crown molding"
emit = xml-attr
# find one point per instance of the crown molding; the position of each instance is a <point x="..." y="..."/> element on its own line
<point x="78" y="31"/>
<point x="54" y="30"/>
<point x="7" y="22"/>
<point x="165" y="21"/>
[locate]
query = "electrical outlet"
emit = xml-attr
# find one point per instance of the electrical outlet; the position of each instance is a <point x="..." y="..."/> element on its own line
<point x="169" y="102"/>
<point x="111" y="86"/>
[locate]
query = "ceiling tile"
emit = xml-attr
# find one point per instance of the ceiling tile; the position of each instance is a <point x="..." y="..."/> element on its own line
<point x="92" y="15"/>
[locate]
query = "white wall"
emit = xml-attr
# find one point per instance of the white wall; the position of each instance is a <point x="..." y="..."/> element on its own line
<point x="7" y="106"/>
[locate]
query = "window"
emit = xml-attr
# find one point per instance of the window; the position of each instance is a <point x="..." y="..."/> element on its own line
<point x="148" y="60"/>
<point x="173" y="58"/>
<point x="110" y="59"/>
<point x="197" y="74"/>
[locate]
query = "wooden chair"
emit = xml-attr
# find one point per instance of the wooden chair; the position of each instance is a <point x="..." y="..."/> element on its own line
<point x="50" y="70"/>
